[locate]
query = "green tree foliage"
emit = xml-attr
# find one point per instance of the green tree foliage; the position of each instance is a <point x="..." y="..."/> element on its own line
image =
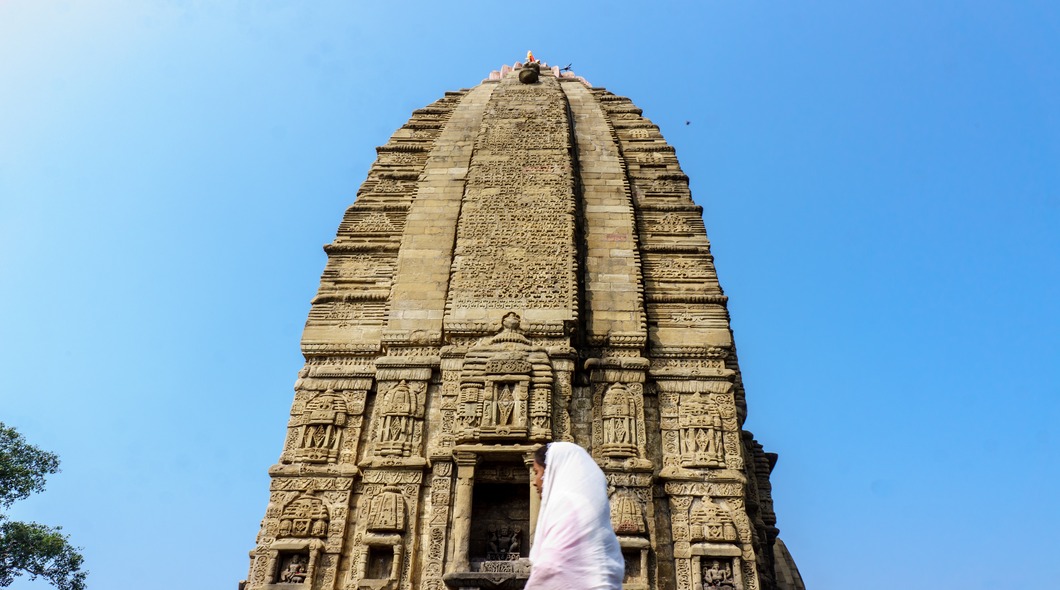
<point x="28" y="547"/>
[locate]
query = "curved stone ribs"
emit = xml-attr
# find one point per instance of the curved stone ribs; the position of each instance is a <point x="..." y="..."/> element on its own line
<point x="354" y="304"/>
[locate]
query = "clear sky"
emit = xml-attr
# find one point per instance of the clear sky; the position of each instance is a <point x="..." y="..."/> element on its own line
<point x="880" y="183"/>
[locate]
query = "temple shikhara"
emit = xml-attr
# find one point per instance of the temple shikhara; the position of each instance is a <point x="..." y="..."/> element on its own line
<point x="523" y="264"/>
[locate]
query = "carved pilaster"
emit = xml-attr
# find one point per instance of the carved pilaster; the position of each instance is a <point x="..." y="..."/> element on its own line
<point x="465" y="484"/>
<point x="440" y="510"/>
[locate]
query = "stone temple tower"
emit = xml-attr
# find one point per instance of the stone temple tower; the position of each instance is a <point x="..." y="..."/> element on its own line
<point x="523" y="264"/>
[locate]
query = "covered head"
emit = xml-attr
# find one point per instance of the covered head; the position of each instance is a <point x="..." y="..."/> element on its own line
<point x="574" y="544"/>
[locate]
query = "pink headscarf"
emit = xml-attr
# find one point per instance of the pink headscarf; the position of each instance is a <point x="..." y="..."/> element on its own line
<point x="574" y="547"/>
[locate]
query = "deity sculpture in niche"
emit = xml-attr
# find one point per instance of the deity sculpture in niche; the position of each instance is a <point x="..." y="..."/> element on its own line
<point x="505" y="387"/>
<point x="504" y="544"/>
<point x="322" y="425"/>
<point x="398" y="412"/>
<point x="717" y="575"/>
<point x="387" y="512"/>
<point x="304" y="517"/>
<point x="619" y="422"/>
<point x="295" y="571"/>
<point x="701" y="432"/>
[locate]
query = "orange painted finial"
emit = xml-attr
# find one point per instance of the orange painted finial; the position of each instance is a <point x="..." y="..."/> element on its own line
<point x="530" y="57"/>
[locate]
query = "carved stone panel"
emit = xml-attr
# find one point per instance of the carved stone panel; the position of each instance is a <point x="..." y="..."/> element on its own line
<point x="505" y="388"/>
<point x="701" y="432"/>
<point x="304" y="517"/>
<point x="323" y="422"/>
<point x="388" y="511"/>
<point x="399" y="417"/>
<point x="620" y="423"/>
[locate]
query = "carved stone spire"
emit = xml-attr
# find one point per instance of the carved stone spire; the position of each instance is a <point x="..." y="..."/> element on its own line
<point x="524" y="263"/>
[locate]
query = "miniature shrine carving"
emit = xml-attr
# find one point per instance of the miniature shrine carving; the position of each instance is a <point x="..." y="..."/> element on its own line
<point x="304" y="517"/>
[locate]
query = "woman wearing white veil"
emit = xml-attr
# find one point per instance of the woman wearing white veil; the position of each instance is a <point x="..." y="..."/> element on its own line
<point x="574" y="547"/>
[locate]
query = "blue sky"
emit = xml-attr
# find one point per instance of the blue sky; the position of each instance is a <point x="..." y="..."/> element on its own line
<point x="880" y="183"/>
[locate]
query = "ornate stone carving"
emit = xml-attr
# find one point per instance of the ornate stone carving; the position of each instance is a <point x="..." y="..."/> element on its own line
<point x="672" y="223"/>
<point x="304" y="517"/>
<point x="322" y="425"/>
<point x="504" y="544"/>
<point x="709" y="522"/>
<point x="400" y="411"/>
<point x="620" y="423"/>
<point x="701" y="432"/>
<point x="718" y="575"/>
<point x="441" y="492"/>
<point x="295" y="570"/>
<point x="505" y="387"/>
<point x="388" y="511"/>
<point x="517" y="218"/>
<point x="627" y="514"/>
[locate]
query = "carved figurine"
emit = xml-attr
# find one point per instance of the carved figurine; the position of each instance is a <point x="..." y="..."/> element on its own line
<point x="503" y="544"/>
<point x="295" y="572"/>
<point x="493" y="541"/>
<point x="717" y="577"/>
<point x="701" y="437"/>
<point x="515" y="544"/>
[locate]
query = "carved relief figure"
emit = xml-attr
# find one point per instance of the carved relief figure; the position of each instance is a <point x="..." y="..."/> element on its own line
<point x="504" y="544"/>
<point x="619" y="422"/>
<point x="487" y="409"/>
<point x="718" y="577"/>
<point x="701" y="432"/>
<point x="295" y="573"/>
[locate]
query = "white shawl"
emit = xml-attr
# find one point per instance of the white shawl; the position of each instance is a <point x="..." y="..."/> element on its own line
<point x="575" y="547"/>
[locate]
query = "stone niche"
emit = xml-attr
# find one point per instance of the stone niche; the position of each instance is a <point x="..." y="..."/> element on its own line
<point x="717" y="573"/>
<point x="500" y="515"/>
<point x="293" y="567"/>
<point x="380" y="563"/>
<point x="493" y="540"/>
<point x="293" y="563"/>
<point x="505" y="388"/>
